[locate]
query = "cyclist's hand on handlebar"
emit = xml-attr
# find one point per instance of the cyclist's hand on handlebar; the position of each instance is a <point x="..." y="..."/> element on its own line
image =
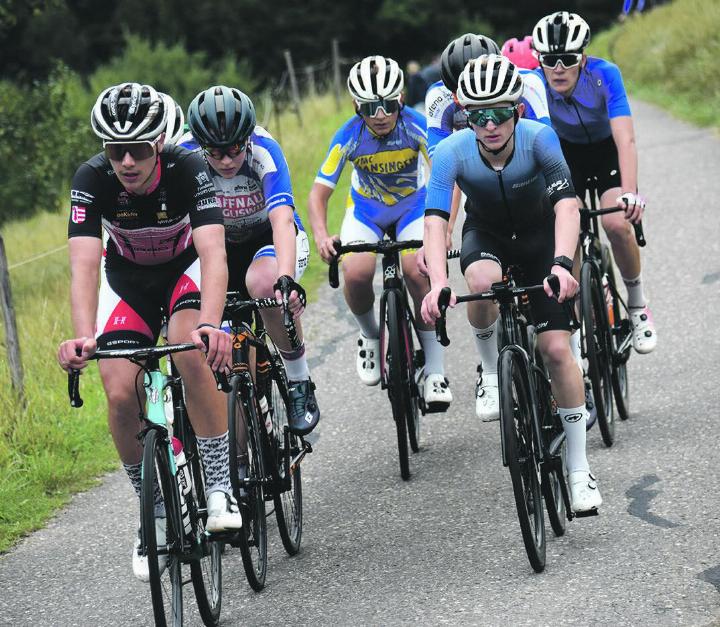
<point x="568" y="284"/>
<point x="634" y="206"/>
<point x="326" y="249"/>
<point x="219" y="346"/>
<point x="287" y="288"/>
<point x="430" y="310"/>
<point x="67" y="354"/>
<point x="420" y="260"/>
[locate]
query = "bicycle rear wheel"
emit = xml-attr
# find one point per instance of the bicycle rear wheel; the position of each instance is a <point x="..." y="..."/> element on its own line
<point x="599" y="349"/>
<point x="516" y="416"/>
<point x="165" y="584"/>
<point x="621" y="334"/>
<point x="287" y="498"/>
<point x="396" y="369"/>
<point x="244" y="435"/>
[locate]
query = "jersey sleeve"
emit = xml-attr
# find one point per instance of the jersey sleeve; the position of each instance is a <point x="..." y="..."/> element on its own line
<point x="616" y="98"/>
<point x="198" y="190"/>
<point x="438" y="101"/>
<point x="442" y="181"/>
<point x="340" y="147"/>
<point x="558" y="181"/>
<point x="535" y="98"/>
<point x="270" y="165"/>
<point x="85" y="205"/>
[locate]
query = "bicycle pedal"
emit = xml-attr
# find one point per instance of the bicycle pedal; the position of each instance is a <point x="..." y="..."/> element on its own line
<point x="586" y="514"/>
<point x="436" y="408"/>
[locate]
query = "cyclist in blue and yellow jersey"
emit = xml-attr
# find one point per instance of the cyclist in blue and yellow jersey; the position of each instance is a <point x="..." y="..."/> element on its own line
<point x="385" y="142"/>
<point x="523" y="212"/>
<point x="267" y="246"/>
<point x="590" y="112"/>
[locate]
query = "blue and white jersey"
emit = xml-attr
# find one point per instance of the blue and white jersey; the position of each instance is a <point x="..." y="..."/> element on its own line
<point x="388" y="177"/>
<point x="444" y="115"/>
<point x="584" y="117"/>
<point x="520" y="195"/>
<point x="261" y="184"/>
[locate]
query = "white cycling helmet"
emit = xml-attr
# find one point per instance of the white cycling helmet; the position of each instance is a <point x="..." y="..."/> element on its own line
<point x="487" y="80"/>
<point x="175" y="125"/>
<point x="561" y="32"/>
<point x="129" y="112"/>
<point x="374" y="78"/>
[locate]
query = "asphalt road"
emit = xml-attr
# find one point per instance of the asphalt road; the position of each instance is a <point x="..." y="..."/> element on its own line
<point x="445" y="547"/>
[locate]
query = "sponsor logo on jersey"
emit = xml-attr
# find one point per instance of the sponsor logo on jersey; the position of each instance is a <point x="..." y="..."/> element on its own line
<point x="557" y="186"/>
<point x="77" y="214"/>
<point x="79" y="196"/>
<point x="524" y="183"/>
<point x="123" y="199"/>
<point x="432" y="109"/>
<point x="236" y="206"/>
<point x="206" y="203"/>
<point x="202" y="178"/>
<point x="387" y="162"/>
<point x="126" y="214"/>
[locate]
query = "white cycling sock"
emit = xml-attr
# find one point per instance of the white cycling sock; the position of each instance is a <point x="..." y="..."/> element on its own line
<point x="434" y="353"/>
<point x="368" y="324"/>
<point x="214" y="454"/>
<point x="575" y="348"/>
<point x="296" y="364"/>
<point x="573" y="421"/>
<point x="486" y="342"/>
<point x="636" y="295"/>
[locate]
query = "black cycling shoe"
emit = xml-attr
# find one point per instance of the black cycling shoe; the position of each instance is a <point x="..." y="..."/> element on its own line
<point x="304" y="410"/>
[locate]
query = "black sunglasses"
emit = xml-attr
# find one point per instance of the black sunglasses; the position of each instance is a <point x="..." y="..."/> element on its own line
<point x="370" y="109"/>
<point x="139" y="151"/>
<point x="496" y="115"/>
<point x="231" y="151"/>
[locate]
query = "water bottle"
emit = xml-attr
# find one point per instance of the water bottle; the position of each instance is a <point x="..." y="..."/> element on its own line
<point x="183" y="478"/>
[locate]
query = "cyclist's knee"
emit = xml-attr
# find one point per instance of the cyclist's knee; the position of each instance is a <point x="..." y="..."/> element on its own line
<point x="260" y="280"/>
<point x="556" y="351"/>
<point x="357" y="272"/>
<point x="481" y="275"/>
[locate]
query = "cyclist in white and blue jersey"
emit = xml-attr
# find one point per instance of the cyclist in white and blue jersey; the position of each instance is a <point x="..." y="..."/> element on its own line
<point x="385" y="142"/>
<point x="267" y="247"/>
<point x="590" y="112"/>
<point x="523" y="213"/>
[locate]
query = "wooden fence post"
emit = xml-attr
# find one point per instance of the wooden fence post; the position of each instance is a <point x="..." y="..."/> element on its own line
<point x="310" y="76"/>
<point x="11" y="335"/>
<point x="336" y="72"/>
<point x="293" y="86"/>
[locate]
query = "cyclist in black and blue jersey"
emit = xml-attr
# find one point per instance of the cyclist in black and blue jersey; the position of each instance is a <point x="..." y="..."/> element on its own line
<point x="590" y="112"/>
<point x="386" y="142"/>
<point x="523" y="213"/>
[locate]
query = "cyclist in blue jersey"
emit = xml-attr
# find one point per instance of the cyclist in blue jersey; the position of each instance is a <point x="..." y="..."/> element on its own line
<point x="266" y="244"/>
<point x="385" y="142"/>
<point x="590" y="113"/>
<point x="524" y="213"/>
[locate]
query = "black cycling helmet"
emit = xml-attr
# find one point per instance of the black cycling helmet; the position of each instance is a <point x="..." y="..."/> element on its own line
<point x="221" y="116"/>
<point x="459" y="52"/>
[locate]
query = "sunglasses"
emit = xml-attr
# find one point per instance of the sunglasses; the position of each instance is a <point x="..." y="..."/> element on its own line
<point x="499" y="115"/>
<point x="139" y="151"/>
<point x="566" y="59"/>
<point x="370" y="109"/>
<point x="231" y="151"/>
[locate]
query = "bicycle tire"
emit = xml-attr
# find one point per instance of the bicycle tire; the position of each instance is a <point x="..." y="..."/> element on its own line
<point x="166" y="586"/>
<point x="253" y="537"/>
<point x="621" y="327"/>
<point x="288" y="502"/>
<point x="516" y="416"/>
<point x="394" y="359"/>
<point x="412" y="404"/>
<point x="599" y="350"/>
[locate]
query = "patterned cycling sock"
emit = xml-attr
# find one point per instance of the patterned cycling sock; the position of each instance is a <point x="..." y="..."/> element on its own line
<point x="368" y="324"/>
<point x="134" y="473"/>
<point x="296" y="364"/>
<point x="434" y="353"/>
<point x="486" y="342"/>
<point x="214" y="454"/>
<point x="636" y="295"/>
<point x="573" y="421"/>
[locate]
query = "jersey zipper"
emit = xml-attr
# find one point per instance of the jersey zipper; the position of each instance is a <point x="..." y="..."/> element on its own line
<point x="572" y="102"/>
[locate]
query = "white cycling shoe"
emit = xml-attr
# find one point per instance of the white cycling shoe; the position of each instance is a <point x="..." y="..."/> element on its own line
<point x="487" y="401"/>
<point x="584" y="493"/>
<point x="141" y="570"/>
<point x="223" y="512"/>
<point x="368" y="360"/>
<point x="644" y="336"/>
<point x="437" y="392"/>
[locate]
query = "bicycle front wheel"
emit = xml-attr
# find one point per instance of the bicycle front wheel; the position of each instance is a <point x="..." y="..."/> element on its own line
<point x="599" y="349"/>
<point x="622" y="345"/>
<point x="521" y="455"/>
<point x="163" y="554"/>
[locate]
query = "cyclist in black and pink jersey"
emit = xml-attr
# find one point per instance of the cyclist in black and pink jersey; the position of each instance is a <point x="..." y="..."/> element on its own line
<point x="589" y="110"/>
<point x="158" y="207"/>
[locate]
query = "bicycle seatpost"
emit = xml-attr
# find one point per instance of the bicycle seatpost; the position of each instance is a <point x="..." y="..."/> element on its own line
<point x="440" y="327"/>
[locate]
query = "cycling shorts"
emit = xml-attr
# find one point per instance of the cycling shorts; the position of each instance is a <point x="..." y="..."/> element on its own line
<point x="132" y="302"/>
<point x="356" y="229"/>
<point x="532" y="252"/>
<point x="598" y="159"/>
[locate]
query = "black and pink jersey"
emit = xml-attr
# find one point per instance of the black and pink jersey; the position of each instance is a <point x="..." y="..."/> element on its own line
<point x="150" y="229"/>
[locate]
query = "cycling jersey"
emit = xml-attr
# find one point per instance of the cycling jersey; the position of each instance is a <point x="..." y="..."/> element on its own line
<point x="519" y="196"/>
<point x="261" y="184"/>
<point x="599" y="95"/>
<point x="150" y="229"/>
<point x="444" y="115"/>
<point x="387" y="179"/>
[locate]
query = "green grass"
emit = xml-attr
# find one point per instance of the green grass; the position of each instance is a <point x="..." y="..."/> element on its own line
<point x="668" y="56"/>
<point x="48" y="450"/>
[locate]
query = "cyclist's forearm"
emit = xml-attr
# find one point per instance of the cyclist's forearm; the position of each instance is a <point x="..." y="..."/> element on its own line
<point x="567" y="227"/>
<point x="209" y="242"/>
<point x="623" y="134"/>
<point x="435" y="250"/>
<point x="85" y="256"/>
<point x="317" y="210"/>
<point x="283" y="227"/>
